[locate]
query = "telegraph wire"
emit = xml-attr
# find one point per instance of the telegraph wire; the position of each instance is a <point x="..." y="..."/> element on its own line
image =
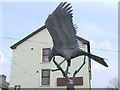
<point x="50" y="43"/>
<point x="26" y="40"/>
<point x="106" y="50"/>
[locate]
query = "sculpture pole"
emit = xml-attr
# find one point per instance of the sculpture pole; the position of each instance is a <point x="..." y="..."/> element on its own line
<point x="70" y="82"/>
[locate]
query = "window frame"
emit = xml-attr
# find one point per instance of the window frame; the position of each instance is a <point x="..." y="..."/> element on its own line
<point x="45" y="57"/>
<point x="45" y="77"/>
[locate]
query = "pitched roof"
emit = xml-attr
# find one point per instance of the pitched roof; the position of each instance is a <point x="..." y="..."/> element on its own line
<point x="27" y="37"/>
<point x="37" y="31"/>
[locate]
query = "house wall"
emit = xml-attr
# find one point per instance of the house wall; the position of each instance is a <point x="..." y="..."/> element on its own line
<point x="27" y="64"/>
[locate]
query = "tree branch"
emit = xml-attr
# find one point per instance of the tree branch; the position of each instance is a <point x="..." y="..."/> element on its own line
<point x="76" y="71"/>
<point x="60" y="68"/>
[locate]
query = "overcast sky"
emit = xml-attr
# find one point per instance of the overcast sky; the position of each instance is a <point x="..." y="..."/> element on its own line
<point x="96" y="21"/>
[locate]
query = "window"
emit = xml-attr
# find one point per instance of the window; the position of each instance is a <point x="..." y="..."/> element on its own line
<point x="45" y="77"/>
<point x="46" y="55"/>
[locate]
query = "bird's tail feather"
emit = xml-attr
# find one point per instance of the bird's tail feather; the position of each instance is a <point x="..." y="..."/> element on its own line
<point x="97" y="58"/>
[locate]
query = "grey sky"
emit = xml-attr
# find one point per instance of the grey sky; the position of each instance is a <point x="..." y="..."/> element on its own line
<point x="97" y="22"/>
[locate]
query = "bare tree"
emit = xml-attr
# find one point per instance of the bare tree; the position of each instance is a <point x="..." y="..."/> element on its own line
<point x="114" y="84"/>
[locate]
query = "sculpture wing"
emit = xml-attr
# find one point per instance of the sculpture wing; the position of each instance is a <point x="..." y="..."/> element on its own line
<point x="61" y="28"/>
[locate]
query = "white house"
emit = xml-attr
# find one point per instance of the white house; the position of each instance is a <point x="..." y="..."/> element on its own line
<point x="31" y="67"/>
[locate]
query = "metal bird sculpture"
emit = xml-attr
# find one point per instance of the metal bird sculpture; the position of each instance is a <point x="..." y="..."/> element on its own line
<point x="63" y="33"/>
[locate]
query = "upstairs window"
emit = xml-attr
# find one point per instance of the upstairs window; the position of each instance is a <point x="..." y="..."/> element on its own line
<point x="45" y="57"/>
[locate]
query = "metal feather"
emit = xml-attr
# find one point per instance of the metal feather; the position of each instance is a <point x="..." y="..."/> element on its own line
<point x="63" y="33"/>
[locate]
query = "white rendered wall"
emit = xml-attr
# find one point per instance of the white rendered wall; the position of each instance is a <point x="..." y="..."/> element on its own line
<point x="26" y="63"/>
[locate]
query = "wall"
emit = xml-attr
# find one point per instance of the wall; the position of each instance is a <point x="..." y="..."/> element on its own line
<point x="26" y="63"/>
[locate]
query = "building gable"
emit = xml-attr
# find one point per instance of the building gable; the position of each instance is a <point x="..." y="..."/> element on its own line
<point x="40" y="29"/>
<point x="27" y="37"/>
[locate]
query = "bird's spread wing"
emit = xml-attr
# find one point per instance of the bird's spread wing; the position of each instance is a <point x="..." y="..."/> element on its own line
<point x="60" y="26"/>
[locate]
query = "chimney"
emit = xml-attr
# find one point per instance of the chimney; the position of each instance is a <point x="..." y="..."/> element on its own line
<point x="3" y="78"/>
